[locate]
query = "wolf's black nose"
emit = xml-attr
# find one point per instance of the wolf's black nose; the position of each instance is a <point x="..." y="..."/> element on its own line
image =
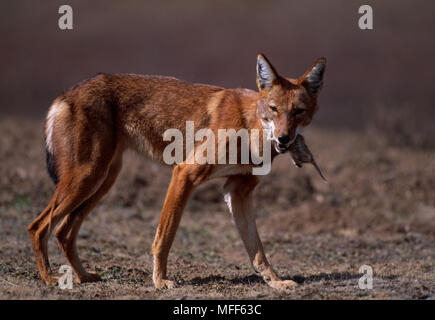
<point x="284" y="139"/>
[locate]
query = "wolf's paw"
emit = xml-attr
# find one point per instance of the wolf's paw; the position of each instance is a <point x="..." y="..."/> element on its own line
<point x="88" y="277"/>
<point x="50" y="280"/>
<point x="283" y="285"/>
<point x="164" y="284"/>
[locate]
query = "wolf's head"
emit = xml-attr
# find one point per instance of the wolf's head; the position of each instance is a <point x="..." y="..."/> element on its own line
<point x="287" y="104"/>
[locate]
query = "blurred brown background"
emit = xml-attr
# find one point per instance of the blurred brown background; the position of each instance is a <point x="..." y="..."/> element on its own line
<point x="386" y="69"/>
<point x="372" y="137"/>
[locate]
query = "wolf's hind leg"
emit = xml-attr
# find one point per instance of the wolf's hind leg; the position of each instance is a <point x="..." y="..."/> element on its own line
<point x="67" y="198"/>
<point x="67" y="232"/>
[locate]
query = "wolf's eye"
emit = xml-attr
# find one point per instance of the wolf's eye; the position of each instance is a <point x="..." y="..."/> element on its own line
<point x="273" y="108"/>
<point x="299" y="111"/>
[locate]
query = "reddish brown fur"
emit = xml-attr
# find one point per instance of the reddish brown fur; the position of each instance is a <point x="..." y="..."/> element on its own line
<point x="90" y="126"/>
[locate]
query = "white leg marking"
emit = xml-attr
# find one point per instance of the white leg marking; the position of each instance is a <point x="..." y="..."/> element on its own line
<point x="245" y="223"/>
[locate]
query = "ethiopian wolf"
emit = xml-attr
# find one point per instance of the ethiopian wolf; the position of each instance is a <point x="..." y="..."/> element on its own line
<point x="90" y="126"/>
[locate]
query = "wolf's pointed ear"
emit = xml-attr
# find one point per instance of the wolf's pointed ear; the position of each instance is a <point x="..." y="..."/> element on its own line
<point x="266" y="73"/>
<point x="312" y="79"/>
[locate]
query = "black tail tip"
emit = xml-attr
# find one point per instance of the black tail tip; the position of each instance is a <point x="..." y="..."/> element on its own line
<point x="51" y="166"/>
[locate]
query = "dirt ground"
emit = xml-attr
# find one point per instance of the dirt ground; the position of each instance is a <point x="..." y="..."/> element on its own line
<point x="378" y="210"/>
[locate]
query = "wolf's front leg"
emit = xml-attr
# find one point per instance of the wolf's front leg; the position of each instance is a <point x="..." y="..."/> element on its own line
<point x="238" y="195"/>
<point x="182" y="184"/>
